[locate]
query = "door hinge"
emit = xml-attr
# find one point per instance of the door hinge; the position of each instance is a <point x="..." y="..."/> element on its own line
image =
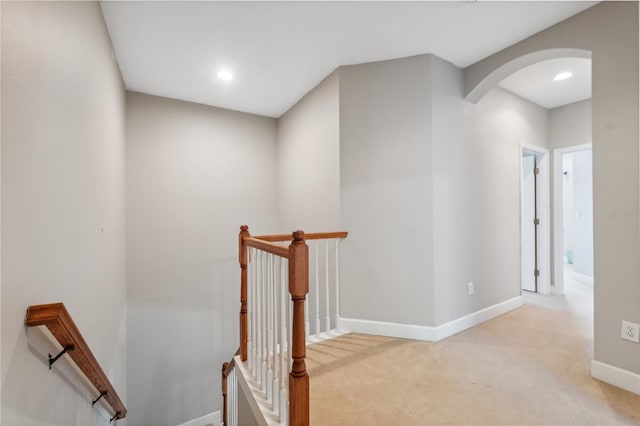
<point x="536" y="221"/>
<point x="536" y="171"/>
<point x="536" y="272"/>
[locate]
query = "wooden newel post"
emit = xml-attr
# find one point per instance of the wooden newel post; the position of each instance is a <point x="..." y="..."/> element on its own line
<point x="298" y="287"/>
<point x="224" y="394"/>
<point x="244" y="233"/>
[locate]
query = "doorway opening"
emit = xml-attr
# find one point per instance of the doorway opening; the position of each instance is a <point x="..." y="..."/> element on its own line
<point x="535" y="220"/>
<point x="573" y="218"/>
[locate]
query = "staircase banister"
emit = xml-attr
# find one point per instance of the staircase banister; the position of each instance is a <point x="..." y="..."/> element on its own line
<point x="307" y="236"/>
<point x="267" y="246"/>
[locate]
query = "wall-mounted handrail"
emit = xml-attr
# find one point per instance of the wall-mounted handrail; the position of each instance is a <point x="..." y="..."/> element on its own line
<point x="57" y="319"/>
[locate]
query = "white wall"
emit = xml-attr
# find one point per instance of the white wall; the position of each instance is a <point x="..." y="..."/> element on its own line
<point x="63" y="201"/>
<point x="386" y="191"/>
<point x="569" y="125"/>
<point x="583" y="213"/>
<point x="194" y="175"/>
<point x="577" y="207"/>
<point x="309" y="161"/>
<point x="567" y="229"/>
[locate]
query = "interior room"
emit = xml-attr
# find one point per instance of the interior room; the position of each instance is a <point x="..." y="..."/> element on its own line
<point x="138" y="137"/>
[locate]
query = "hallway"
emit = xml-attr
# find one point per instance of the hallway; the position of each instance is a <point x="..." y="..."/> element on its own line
<point x="530" y="366"/>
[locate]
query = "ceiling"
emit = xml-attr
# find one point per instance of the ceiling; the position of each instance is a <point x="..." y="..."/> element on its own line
<point x="278" y="51"/>
<point x="536" y="82"/>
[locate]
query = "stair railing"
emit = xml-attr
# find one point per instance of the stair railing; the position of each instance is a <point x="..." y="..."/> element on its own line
<point x="274" y="318"/>
<point x="230" y="392"/>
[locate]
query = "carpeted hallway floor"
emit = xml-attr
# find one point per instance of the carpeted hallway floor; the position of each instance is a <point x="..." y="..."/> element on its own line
<point x="529" y="366"/>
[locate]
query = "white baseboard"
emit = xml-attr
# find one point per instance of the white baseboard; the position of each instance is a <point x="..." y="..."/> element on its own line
<point x="214" y="418"/>
<point x="389" y="329"/>
<point x="616" y="376"/>
<point x="427" y="333"/>
<point x="582" y="277"/>
<point x="478" y="317"/>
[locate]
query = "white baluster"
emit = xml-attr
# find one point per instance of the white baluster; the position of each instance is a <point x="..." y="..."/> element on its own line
<point x="276" y="328"/>
<point x="269" y="377"/>
<point x="307" y="330"/>
<point x="249" y="307"/>
<point x="317" y="288"/>
<point x="232" y="399"/>
<point x="337" y="285"/>
<point x="254" y="304"/>
<point x="263" y="343"/>
<point x="289" y="330"/>
<point x="258" y="375"/>
<point x="235" y="397"/>
<point x="283" y="338"/>
<point x="326" y="280"/>
<point x="286" y="337"/>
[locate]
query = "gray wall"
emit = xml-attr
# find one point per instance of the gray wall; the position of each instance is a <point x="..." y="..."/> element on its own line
<point x="610" y="31"/>
<point x="309" y="161"/>
<point x="570" y="125"/>
<point x="452" y="230"/>
<point x="495" y="129"/>
<point x="194" y="175"/>
<point x="386" y="184"/>
<point x="63" y="201"/>
<point x="430" y="191"/>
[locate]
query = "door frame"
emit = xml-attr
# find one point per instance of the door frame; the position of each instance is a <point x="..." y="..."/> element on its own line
<point x="558" y="241"/>
<point x="543" y="201"/>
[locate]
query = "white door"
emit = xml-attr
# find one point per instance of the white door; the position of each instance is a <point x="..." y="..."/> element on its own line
<point x="528" y="237"/>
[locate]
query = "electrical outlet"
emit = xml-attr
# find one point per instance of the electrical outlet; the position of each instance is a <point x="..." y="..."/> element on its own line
<point x="470" y="287"/>
<point x="630" y="331"/>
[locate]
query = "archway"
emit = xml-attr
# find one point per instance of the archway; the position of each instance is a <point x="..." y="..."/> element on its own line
<point x="475" y="93"/>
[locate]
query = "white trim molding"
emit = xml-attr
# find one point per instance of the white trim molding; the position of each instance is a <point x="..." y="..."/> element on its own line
<point x="427" y="333"/>
<point x="543" y="200"/>
<point x="616" y="376"/>
<point x="389" y="329"/>
<point x="212" y="418"/>
<point x="582" y="278"/>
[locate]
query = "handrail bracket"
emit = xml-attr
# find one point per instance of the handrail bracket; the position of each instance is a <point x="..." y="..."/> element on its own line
<point x="53" y="359"/>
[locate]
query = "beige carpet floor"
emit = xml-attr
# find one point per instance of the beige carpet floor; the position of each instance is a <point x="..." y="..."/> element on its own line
<point x="527" y="367"/>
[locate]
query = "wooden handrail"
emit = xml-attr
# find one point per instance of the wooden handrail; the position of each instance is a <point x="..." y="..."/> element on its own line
<point x="57" y="319"/>
<point x="312" y="236"/>
<point x="267" y="246"/>
<point x="244" y="261"/>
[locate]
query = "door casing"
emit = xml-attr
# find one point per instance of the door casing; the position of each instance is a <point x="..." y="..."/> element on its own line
<point x="543" y="201"/>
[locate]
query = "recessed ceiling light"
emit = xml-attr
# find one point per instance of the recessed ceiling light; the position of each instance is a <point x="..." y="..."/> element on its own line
<point x="225" y="75"/>
<point x="562" y="76"/>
